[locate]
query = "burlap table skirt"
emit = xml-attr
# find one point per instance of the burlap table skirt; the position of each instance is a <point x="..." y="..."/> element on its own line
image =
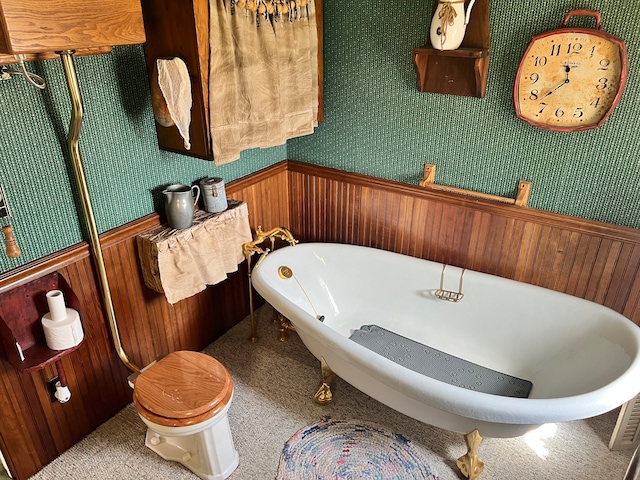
<point x="181" y="263"/>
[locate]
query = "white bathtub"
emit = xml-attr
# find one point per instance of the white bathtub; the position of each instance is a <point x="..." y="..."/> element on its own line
<point x="582" y="358"/>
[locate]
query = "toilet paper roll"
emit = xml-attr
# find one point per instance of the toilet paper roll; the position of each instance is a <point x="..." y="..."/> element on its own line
<point x="63" y="334"/>
<point x="57" y="307"/>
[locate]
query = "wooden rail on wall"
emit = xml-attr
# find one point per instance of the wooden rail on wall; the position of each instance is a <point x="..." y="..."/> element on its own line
<point x="522" y="197"/>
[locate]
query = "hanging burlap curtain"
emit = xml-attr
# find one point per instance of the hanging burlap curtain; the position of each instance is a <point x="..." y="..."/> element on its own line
<point x="263" y="86"/>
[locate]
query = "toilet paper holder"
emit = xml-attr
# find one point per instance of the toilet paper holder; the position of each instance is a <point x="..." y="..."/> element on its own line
<point x="21" y="311"/>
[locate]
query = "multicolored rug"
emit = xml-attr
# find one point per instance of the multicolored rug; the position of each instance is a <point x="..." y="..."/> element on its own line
<point x="350" y="449"/>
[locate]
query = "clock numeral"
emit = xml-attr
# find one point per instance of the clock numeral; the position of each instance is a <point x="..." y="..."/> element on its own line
<point x="593" y="49"/>
<point x="602" y="84"/>
<point x="534" y="77"/>
<point x="559" y="113"/>
<point x="578" y="112"/>
<point x="540" y="61"/>
<point x="544" y="105"/>
<point x="595" y="103"/>
<point x="534" y="94"/>
<point x="604" y="64"/>
<point x="574" y="48"/>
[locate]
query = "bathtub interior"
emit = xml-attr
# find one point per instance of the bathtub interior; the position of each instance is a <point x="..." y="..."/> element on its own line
<point x="564" y="345"/>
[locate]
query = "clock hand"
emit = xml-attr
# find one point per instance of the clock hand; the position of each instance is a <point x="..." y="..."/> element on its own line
<point x="567" y="69"/>
<point x="551" y="91"/>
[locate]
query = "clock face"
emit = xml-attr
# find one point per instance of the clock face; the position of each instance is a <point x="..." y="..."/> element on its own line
<point x="570" y="80"/>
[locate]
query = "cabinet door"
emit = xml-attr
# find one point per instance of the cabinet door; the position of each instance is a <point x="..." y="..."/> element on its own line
<point x="180" y="28"/>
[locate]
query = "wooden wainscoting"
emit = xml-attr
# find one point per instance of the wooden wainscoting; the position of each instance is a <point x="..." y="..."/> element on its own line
<point x="34" y="430"/>
<point x="592" y="260"/>
<point x="588" y="259"/>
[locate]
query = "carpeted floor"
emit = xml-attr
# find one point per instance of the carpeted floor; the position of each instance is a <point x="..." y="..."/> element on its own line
<point x="274" y="386"/>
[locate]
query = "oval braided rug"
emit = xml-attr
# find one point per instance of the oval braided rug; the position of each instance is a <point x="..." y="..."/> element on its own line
<point x="350" y="449"/>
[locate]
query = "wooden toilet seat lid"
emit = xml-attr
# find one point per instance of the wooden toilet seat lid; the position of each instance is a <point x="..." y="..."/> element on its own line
<point x="183" y="385"/>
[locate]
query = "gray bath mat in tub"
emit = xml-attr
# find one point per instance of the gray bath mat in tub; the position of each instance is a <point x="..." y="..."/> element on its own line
<point x="439" y="365"/>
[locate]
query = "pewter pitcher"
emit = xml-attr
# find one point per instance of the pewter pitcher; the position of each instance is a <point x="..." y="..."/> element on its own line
<point x="179" y="204"/>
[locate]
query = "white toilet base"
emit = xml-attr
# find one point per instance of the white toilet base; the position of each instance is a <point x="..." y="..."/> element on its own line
<point x="205" y="448"/>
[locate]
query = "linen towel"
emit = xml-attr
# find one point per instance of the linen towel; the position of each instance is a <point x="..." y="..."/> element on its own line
<point x="182" y="263"/>
<point x="175" y="85"/>
<point x="263" y="82"/>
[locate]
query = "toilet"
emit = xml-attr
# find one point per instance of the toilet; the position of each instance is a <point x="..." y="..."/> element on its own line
<point x="183" y="399"/>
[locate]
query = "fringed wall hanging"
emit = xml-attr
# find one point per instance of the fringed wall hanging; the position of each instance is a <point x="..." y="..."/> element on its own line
<point x="272" y="10"/>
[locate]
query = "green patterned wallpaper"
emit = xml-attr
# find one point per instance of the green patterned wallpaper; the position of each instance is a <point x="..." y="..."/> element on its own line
<point x="118" y="145"/>
<point x="375" y="123"/>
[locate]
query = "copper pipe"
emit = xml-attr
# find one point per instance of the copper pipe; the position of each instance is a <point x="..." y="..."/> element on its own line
<point x="81" y="179"/>
<point x="62" y="377"/>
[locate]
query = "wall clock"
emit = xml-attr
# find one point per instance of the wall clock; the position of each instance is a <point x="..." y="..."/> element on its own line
<point x="570" y="78"/>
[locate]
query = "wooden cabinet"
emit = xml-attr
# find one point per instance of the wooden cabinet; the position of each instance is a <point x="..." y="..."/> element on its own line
<point x="40" y="28"/>
<point x="180" y="28"/>
<point x="50" y="25"/>
<point x="462" y="71"/>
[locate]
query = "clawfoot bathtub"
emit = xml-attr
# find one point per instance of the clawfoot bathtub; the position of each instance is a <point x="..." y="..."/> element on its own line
<point x="578" y="359"/>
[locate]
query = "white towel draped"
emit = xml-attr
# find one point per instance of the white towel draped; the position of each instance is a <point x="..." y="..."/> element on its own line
<point x="175" y="85"/>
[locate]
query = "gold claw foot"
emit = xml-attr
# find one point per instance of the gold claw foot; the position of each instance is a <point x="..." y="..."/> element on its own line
<point x="470" y="465"/>
<point x="323" y="395"/>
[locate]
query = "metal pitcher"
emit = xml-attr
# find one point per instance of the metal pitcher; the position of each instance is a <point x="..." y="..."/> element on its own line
<point x="180" y="203"/>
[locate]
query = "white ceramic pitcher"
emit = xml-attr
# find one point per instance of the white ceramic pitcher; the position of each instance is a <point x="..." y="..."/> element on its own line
<point x="449" y="24"/>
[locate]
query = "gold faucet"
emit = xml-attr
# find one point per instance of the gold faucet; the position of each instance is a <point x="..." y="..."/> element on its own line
<point x="252" y="247"/>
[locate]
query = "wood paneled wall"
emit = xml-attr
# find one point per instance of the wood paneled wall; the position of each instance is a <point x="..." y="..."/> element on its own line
<point x="34" y="430"/>
<point x="587" y="259"/>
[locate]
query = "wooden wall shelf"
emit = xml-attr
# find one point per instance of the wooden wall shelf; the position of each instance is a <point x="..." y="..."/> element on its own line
<point x="454" y="72"/>
<point x="463" y="71"/>
<point x="21" y="310"/>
